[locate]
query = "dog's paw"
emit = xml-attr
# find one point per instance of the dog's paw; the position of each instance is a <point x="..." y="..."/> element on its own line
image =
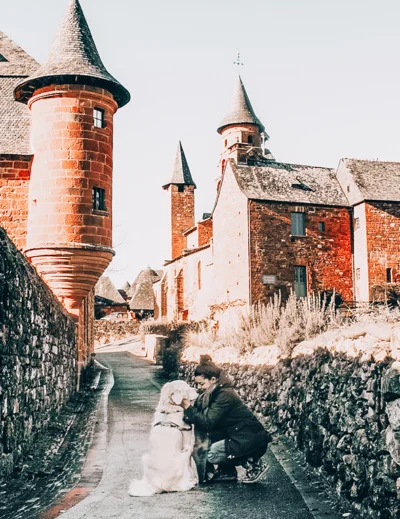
<point x="140" y="488"/>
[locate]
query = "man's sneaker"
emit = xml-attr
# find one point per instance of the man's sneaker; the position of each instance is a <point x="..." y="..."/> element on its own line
<point x="255" y="471"/>
<point x="224" y="476"/>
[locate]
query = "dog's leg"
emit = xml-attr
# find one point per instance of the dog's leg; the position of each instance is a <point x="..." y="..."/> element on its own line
<point x="200" y="450"/>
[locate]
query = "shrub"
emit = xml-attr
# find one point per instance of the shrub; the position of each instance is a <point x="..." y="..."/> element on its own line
<point x="171" y="360"/>
<point x="173" y="329"/>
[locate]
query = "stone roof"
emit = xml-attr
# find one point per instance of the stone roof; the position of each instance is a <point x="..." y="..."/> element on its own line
<point x="73" y="58"/>
<point x="240" y="111"/>
<point x="144" y="275"/>
<point x="15" y="119"/>
<point x="106" y="294"/>
<point x="181" y="172"/>
<point x="375" y="180"/>
<point x="282" y="182"/>
<point x="143" y="297"/>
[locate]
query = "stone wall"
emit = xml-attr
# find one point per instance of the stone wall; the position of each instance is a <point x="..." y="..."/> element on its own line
<point x="111" y="331"/>
<point x="383" y="241"/>
<point x="181" y="216"/>
<point x="327" y="254"/>
<point x="343" y="414"/>
<point x="37" y="355"/>
<point x="15" y="172"/>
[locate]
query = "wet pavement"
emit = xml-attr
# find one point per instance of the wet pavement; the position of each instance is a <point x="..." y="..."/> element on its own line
<point x="131" y="405"/>
<point x="98" y="487"/>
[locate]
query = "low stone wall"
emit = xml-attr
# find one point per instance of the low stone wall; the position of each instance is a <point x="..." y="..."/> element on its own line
<point x="344" y="415"/>
<point x="37" y="355"/>
<point x="111" y="331"/>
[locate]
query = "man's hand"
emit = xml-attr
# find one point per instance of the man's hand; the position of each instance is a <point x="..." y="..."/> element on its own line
<point x="185" y="403"/>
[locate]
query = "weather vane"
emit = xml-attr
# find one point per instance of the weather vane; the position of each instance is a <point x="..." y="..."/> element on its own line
<point x="238" y="61"/>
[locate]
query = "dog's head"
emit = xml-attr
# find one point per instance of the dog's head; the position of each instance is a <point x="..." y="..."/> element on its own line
<point x="172" y="394"/>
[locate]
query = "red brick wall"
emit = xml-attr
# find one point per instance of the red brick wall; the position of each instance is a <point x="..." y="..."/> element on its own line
<point x="14" y="190"/>
<point x="205" y="232"/>
<point x="71" y="157"/>
<point x="383" y="241"/>
<point x="182" y="217"/>
<point x="326" y="255"/>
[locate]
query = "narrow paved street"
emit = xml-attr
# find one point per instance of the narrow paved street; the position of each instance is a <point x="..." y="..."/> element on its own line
<point x="120" y="442"/>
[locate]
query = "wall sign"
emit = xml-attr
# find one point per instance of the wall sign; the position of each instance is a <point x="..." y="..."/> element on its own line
<point x="269" y="279"/>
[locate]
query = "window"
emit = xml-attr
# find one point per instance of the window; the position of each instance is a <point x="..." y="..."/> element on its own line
<point x="358" y="274"/>
<point x="321" y="226"/>
<point x="298" y="224"/>
<point x="250" y="139"/>
<point x="300" y="281"/>
<point x="2" y="58"/>
<point x="357" y="223"/>
<point x="181" y="188"/>
<point x="389" y="276"/>
<point x="226" y="143"/>
<point x="98" y="118"/>
<point x="99" y="199"/>
<point x="242" y="159"/>
<point x="348" y="189"/>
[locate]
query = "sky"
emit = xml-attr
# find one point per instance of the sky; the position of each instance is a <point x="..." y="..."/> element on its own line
<point x="322" y="75"/>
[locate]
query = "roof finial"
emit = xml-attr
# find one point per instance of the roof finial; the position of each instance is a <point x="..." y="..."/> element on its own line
<point x="238" y="61"/>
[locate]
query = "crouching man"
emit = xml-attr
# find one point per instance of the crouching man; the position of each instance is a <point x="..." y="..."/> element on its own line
<point x="236" y="435"/>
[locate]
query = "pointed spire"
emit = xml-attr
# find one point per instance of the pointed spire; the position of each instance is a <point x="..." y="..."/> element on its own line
<point x="241" y="111"/>
<point x="181" y="173"/>
<point x="73" y="58"/>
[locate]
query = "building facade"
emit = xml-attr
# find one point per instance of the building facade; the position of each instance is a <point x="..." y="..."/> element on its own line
<point x="56" y="163"/>
<point x="277" y="227"/>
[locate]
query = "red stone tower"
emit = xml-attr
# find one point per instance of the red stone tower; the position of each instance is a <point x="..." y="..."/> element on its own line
<point x="241" y="130"/>
<point x="72" y="98"/>
<point x="181" y="188"/>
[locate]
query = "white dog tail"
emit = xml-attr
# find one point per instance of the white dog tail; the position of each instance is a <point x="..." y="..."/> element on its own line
<point x="140" y="488"/>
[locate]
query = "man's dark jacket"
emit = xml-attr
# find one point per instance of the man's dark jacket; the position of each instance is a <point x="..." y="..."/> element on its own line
<point x="226" y="417"/>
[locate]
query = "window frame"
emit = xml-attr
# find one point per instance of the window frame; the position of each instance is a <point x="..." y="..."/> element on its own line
<point x="294" y="223"/>
<point x="98" y="120"/>
<point x="299" y="272"/>
<point x="99" y="199"/>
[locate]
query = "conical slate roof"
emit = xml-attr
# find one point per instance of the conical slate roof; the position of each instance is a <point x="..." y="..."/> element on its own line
<point x="144" y="276"/>
<point x="143" y="298"/>
<point x="181" y="172"/>
<point x="73" y="58"/>
<point x="241" y="111"/>
<point x="105" y="293"/>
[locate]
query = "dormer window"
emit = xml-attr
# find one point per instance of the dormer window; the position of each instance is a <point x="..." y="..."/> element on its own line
<point x="2" y="58"/>
<point x="98" y="118"/>
<point x="98" y="199"/>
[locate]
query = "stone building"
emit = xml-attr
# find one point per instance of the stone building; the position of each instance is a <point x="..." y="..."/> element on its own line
<point x="141" y="295"/>
<point x="107" y="299"/>
<point x="278" y="227"/>
<point x="56" y="163"/>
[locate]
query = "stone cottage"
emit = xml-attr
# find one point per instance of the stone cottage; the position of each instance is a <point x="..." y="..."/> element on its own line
<point x="277" y="227"/>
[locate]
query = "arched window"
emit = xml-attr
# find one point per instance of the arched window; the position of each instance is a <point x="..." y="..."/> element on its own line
<point x="199" y="274"/>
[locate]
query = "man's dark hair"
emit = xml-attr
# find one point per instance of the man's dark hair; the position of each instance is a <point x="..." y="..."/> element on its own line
<point x="207" y="370"/>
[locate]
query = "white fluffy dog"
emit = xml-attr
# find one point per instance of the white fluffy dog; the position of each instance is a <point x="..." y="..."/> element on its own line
<point x="169" y="466"/>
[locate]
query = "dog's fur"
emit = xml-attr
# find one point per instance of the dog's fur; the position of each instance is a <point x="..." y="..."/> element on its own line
<point x="169" y="466"/>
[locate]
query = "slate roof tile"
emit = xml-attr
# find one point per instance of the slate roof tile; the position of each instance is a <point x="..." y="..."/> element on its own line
<point x="282" y="182"/>
<point x="73" y="58"/>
